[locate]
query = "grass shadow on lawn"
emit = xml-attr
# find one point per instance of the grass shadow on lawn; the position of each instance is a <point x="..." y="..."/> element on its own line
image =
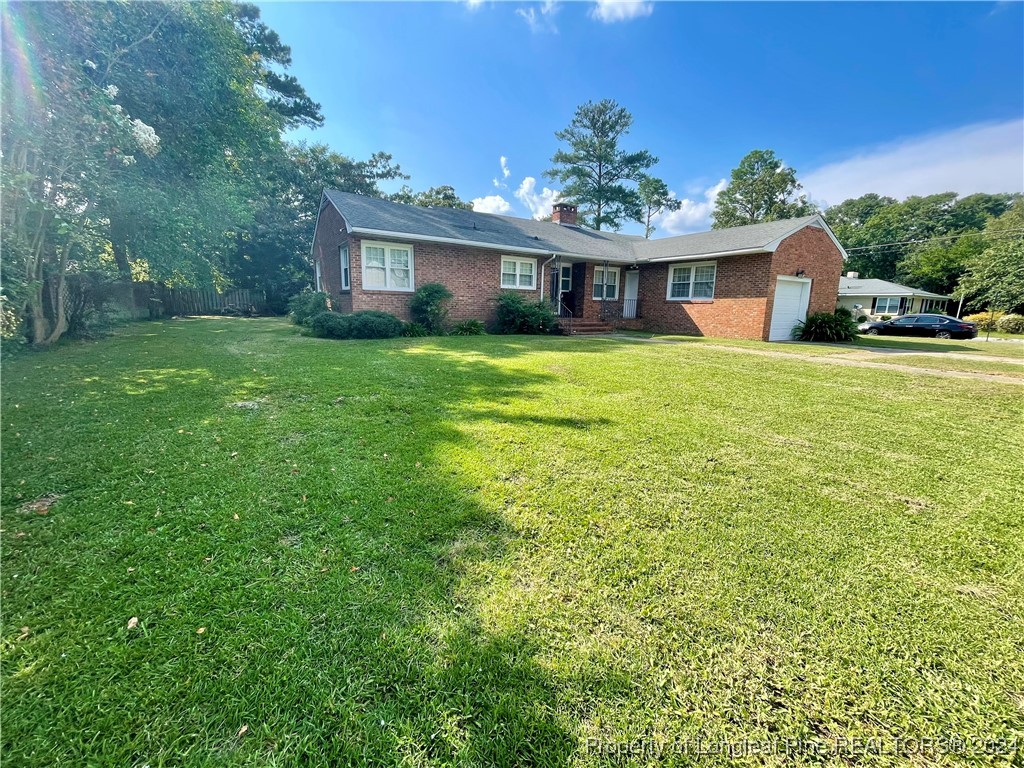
<point x="329" y="544"/>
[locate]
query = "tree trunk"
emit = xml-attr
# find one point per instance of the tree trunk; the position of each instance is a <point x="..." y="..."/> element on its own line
<point x="120" y="249"/>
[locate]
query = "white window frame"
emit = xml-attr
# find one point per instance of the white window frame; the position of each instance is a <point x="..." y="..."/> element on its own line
<point x="519" y="262"/>
<point x="692" y="266"/>
<point x="346" y="268"/>
<point x="388" y="280"/>
<point x="318" y="276"/>
<point x="563" y="286"/>
<point x="887" y="300"/>
<point x="606" y="286"/>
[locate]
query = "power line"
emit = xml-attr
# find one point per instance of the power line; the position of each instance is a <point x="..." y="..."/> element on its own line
<point x="995" y="236"/>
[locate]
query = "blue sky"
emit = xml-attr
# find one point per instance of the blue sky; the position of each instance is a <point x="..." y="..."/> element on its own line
<point x="893" y="98"/>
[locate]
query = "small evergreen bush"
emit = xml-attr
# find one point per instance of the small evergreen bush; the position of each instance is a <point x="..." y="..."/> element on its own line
<point x="1011" y="324"/>
<point x="368" y="324"/>
<point x="429" y="307"/>
<point x="517" y="315"/>
<point x="469" y="328"/>
<point x="827" y="326"/>
<point x="986" y="321"/>
<point x="303" y="307"/>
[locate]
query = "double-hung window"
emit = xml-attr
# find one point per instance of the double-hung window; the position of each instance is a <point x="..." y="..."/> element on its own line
<point x="691" y="281"/>
<point x="606" y="284"/>
<point x="520" y="274"/>
<point x="387" y="267"/>
<point x="346" y="272"/>
<point x="887" y="305"/>
<point x="565" y="280"/>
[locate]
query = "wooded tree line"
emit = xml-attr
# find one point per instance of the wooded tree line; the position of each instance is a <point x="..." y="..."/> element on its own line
<point x="145" y="140"/>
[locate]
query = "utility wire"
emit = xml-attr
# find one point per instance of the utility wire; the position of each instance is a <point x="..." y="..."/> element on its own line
<point x="994" y="236"/>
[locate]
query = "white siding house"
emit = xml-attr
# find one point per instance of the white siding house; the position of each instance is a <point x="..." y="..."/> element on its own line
<point x="876" y="298"/>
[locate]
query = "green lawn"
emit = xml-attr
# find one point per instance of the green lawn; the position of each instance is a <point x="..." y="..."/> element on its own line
<point x="485" y="551"/>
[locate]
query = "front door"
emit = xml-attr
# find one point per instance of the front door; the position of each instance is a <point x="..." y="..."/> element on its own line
<point x="630" y="292"/>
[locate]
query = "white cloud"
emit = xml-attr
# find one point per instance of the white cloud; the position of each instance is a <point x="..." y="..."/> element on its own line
<point x="692" y="216"/>
<point x="539" y="203"/>
<point x="491" y="204"/>
<point x="540" y="18"/>
<point x="505" y="173"/>
<point x="611" y="11"/>
<point x="984" y="157"/>
<point x="473" y="4"/>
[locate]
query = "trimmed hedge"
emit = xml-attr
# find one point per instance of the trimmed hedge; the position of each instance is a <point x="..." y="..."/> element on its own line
<point x="368" y="324"/>
<point x="1011" y="324"/>
<point x="986" y="321"/>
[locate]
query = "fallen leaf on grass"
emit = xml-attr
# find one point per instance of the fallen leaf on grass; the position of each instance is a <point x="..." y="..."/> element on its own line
<point x="201" y="630"/>
<point x="133" y="622"/>
<point x="353" y="569"/>
<point x="25" y="632"/>
<point x="236" y="516"/>
<point x="242" y="731"/>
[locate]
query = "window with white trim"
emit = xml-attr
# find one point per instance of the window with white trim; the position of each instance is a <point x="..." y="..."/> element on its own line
<point x="887" y="305"/>
<point x="387" y="267"/>
<point x="565" y="280"/>
<point x="606" y="284"/>
<point x="346" y="272"/>
<point x="691" y="281"/>
<point x="520" y="274"/>
<point x="317" y="275"/>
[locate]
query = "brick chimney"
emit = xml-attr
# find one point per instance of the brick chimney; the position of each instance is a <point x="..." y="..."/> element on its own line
<point x="563" y="213"/>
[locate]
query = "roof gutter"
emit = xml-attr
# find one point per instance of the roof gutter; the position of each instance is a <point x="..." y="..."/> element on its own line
<point x="699" y="256"/>
<point x="456" y="241"/>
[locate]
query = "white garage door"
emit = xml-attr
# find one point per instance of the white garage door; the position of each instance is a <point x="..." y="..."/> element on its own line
<point x="789" y="308"/>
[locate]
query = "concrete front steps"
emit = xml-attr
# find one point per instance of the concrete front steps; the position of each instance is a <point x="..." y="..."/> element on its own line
<point x="586" y="327"/>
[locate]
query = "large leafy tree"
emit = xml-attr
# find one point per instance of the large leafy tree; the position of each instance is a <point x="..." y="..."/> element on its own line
<point x="435" y="197"/>
<point x="916" y="240"/>
<point x="272" y="250"/>
<point x="655" y="198"/>
<point x="596" y="174"/>
<point x="761" y="188"/>
<point x="994" y="278"/>
<point x="107" y="158"/>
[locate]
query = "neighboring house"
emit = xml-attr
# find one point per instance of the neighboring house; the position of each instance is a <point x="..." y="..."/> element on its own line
<point x="751" y="282"/>
<point x="875" y="298"/>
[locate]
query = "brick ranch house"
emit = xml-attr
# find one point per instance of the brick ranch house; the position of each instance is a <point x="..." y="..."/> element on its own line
<point x="752" y="282"/>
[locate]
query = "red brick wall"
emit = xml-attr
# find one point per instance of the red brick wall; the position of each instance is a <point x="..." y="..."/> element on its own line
<point x="736" y="311"/>
<point x="473" y="275"/>
<point x="329" y="237"/>
<point x="810" y="250"/>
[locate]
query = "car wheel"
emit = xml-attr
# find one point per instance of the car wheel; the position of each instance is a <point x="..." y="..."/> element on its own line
<point x="943" y="335"/>
<point x="872" y="331"/>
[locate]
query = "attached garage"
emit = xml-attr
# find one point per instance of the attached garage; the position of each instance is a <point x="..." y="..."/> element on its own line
<point x="792" y="295"/>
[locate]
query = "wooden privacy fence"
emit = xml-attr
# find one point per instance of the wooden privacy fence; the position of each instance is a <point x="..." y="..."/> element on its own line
<point x="206" y="301"/>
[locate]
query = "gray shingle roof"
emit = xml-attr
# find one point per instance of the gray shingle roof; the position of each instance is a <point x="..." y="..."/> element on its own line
<point x="866" y="286"/>
<point x="370" y="213"/>
<point x="722" y="240"/>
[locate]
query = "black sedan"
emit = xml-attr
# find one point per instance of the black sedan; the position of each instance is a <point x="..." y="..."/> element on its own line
<point x="938" y="326"/>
